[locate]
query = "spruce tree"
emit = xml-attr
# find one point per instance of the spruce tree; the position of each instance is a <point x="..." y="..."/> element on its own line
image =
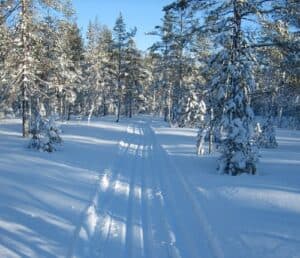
<point x="233" y="83"/>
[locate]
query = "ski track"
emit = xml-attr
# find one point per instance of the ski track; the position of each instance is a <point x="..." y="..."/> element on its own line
<point x="191" y="211"/>
<point x="119" y="228"/>
<point x="134" y="213"/>
<point x="95" y="199"/>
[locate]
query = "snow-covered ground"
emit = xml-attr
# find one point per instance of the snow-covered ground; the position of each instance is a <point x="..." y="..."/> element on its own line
<point x="136" y="189"/>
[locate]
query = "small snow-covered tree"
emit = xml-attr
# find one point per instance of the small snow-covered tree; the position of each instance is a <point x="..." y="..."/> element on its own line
<point x="45" y="135"/>
<point x="266" y="137"/>
<point x="233" y="82"/>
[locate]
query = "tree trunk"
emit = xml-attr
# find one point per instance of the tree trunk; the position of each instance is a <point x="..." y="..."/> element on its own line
<point x="61" y="107"/>
<point x="25" y="79"/>
<point x="130" y="106"/>
<point x="104" y="105"/>
<point x="154" y="103"/>
<point x="118" y="109"/>
<point x="169" y="105"/>
<point x="69" y="112"/>
<point x="211" y="130"/>
<point x="91" y="113"/>
<point x="25" y="112"/>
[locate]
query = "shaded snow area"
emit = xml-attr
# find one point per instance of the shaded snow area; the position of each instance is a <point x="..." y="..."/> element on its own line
<point x="136" y="189"/>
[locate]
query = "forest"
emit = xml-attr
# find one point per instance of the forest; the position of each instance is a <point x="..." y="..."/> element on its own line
<point x="215" y="66"/>
<point x="187" y="149"/>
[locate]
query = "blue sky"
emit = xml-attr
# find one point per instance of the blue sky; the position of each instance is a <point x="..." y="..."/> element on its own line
<point x="144" y="14"/>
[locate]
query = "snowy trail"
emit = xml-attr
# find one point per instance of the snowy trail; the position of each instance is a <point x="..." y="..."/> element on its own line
<point x="135" y="212"/>
<point x="189" y="217"/>
<point x="136" y="189"/>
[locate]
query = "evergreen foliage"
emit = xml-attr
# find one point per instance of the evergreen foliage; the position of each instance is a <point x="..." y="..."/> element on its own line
<point x="45" y="135"/>
<point x="215" y="66"/>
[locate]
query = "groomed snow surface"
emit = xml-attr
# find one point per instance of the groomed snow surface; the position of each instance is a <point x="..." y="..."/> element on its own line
<point x="136" y="189"/>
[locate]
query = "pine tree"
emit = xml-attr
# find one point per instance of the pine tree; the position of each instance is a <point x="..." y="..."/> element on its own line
<point x="121" y="39"/>
<point x="282" y="33"/>
<point x="5" y="90"/>
<point x="182" y="37"/>
<point x="99" y="68"/>
<point x="177" y="35"/>
<point x="155" y="102"/>
<point x="26" y="41"/>
<point x="162" y="48"/>
<point x="71" y="59"/>
<point x="134" y="76"/>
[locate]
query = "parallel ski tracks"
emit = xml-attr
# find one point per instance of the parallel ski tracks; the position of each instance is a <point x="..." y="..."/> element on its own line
<point x="147" y="221"/>
<point x="170" y="182"/>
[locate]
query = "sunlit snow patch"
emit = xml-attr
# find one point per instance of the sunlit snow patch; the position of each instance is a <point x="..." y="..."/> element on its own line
<point x="122" y="188"/>
<point x="104" y="183"/>
<point x="91" y="220"/>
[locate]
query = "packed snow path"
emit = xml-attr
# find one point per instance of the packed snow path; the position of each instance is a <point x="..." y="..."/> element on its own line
<point x="144" y="207"/>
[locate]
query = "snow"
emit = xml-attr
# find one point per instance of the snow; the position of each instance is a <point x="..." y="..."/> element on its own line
<point x="137" y="189"/>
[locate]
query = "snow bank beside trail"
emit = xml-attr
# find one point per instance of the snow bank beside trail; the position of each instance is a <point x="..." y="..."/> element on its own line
<point x="42" y="195"/>
<point x="264" y="198"/>
<point x="251" y="216"/>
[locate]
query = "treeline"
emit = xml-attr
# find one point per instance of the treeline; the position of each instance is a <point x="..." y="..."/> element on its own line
<point x="215" y="64"/>
<point x="46" y="68"/>
<point x="223" y="64"/>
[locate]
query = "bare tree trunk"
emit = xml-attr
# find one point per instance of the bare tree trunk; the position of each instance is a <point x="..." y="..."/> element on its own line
<point x="166" y="107"/>
<point x="119" y="86"/>
<point x="211" y="130"/>
<point x="169" y="105"/>
<point x="104" y="104"/>
<point x="154" y="103"/>
<point x="69" y="112"/>
<point x="91" y="113"/>
<point x="61" y="107"/>
<point x="118" y="109"/>
<point x="130" y="106"/>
